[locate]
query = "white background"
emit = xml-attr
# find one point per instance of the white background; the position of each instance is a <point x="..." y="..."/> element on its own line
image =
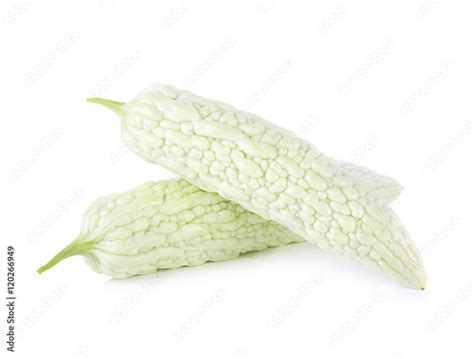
<point x="384" y="84"/>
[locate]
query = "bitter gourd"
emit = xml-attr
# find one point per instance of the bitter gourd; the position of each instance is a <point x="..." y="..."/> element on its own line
<point x="270" y="172"/>
<point x="167" y="224"/>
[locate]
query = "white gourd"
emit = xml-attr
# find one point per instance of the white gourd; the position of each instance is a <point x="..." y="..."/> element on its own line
<point x="167" y="224"/>
<point x="270" y="172"/>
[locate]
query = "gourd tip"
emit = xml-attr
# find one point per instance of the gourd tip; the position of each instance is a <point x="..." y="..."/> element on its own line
<point x="74" y="248"/>
<point x="115" y="106"/>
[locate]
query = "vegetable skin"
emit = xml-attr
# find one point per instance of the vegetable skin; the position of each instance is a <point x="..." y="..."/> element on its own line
<point x="167" y="224"/>
<point x="268" y="171"/>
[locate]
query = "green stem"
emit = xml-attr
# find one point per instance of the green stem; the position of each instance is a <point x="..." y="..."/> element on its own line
<point x="74" y="248"/>
<point x="115" y="106"/>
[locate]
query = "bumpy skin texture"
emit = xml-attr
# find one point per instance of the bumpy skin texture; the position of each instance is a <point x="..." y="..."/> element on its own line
<point x="382" y="187"/>
<point x="168" y="224"/>
<point x="270" y="172"/>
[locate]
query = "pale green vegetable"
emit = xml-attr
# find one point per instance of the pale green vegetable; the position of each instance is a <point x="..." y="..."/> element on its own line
<point x="270" y="172"/>
<point x="384" y="188"/>
<point x="167" y="224"/>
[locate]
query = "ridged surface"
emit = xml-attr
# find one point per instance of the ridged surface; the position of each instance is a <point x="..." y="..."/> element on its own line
<point x="384" y="188"/>
<point x="270" y="172"/>
<point x="170" y="224"/>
